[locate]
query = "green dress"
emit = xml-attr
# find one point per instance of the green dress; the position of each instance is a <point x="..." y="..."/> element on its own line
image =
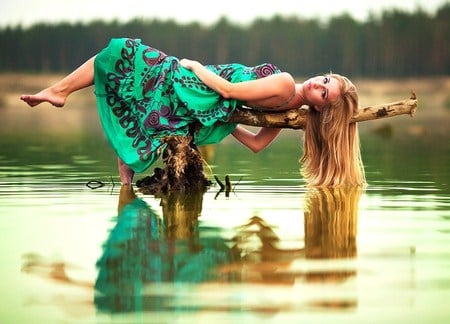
<point x="143" y="95"/>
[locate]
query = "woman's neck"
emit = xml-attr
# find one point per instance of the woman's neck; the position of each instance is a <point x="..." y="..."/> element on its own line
<point x="300" y="97"/>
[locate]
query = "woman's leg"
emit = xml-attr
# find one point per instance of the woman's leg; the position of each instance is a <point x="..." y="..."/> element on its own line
<point x="57" y="94"/>
<point x="126" y="174"/>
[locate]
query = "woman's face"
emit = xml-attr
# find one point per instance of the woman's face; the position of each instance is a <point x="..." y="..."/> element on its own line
<point x="319" y="91"/>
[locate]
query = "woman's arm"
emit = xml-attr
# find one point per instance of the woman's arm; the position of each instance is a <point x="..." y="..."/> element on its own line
<point x="256" y="142"/>
<point x="276" y="85"/>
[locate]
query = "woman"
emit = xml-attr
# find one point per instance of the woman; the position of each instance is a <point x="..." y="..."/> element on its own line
<point x="143" y="95"/>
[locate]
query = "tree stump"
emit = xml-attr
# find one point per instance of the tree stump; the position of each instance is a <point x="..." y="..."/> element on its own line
<point x="182" y="172"/>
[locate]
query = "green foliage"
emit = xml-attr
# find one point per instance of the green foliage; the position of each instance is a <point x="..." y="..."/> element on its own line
<point x="394" y="44"/>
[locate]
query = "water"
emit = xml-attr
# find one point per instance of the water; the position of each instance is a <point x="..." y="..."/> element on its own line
<point x="270" y="251"/>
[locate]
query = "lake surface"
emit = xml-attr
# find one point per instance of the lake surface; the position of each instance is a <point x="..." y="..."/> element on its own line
<point x="271" y="250"/>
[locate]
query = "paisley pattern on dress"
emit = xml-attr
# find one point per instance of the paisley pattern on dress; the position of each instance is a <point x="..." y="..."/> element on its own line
<point x="144" y="94"/>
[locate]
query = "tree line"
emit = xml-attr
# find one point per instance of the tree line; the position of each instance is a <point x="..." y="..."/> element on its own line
<point x="395" y="43"/>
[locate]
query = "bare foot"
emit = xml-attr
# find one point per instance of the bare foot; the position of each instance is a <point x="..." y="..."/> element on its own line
<point x="46" y="95"/>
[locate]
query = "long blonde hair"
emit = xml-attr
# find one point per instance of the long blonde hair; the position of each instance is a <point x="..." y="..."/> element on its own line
<point x="331" y="148"/>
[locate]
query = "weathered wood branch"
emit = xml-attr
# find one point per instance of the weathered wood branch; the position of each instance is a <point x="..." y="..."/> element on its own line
<point x="296" y="118"/>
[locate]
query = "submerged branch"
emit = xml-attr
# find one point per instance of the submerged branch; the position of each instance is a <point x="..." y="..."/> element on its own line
<point x="296" y="118"/>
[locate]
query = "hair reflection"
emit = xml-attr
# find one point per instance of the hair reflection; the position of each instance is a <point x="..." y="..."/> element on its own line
<point x="330" y="233"/>
<point x="331" y="222"/>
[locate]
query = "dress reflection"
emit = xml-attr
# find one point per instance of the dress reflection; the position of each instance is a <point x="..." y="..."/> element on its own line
<point x="144" y="250"/>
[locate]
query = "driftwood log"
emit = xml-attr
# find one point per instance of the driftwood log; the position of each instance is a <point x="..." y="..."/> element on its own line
<point x="296" y="118"/>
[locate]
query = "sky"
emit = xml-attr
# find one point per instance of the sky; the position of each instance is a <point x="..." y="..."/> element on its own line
<point x="29" y="12"/>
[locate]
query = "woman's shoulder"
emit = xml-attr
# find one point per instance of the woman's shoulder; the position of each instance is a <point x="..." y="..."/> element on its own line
<point x="284" y="79"/>
<point x="287" y="76"/>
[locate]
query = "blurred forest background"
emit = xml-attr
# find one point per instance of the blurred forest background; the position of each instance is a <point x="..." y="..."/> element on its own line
<point x="393" y="44"/>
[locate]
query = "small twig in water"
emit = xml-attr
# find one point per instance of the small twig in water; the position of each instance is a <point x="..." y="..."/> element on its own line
<point x="220" y="183"/>
<point x="227" y="187"/>
<point x="95" y="184"/>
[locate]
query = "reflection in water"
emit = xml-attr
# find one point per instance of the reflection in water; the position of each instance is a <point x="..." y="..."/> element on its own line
<point x="148" y="261"/>
<point x="262" y="260"/>
<point x="141" y="250"/>
<point x="330" y="233"/>
<point x="331" y="222"/>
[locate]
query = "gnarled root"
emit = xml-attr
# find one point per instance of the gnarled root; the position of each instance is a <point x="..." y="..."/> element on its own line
<point x="182" y="172"/>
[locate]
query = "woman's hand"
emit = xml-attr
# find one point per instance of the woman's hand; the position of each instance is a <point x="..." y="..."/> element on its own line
<point x="188" y="64"/>
<point x="209" y="78"/>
